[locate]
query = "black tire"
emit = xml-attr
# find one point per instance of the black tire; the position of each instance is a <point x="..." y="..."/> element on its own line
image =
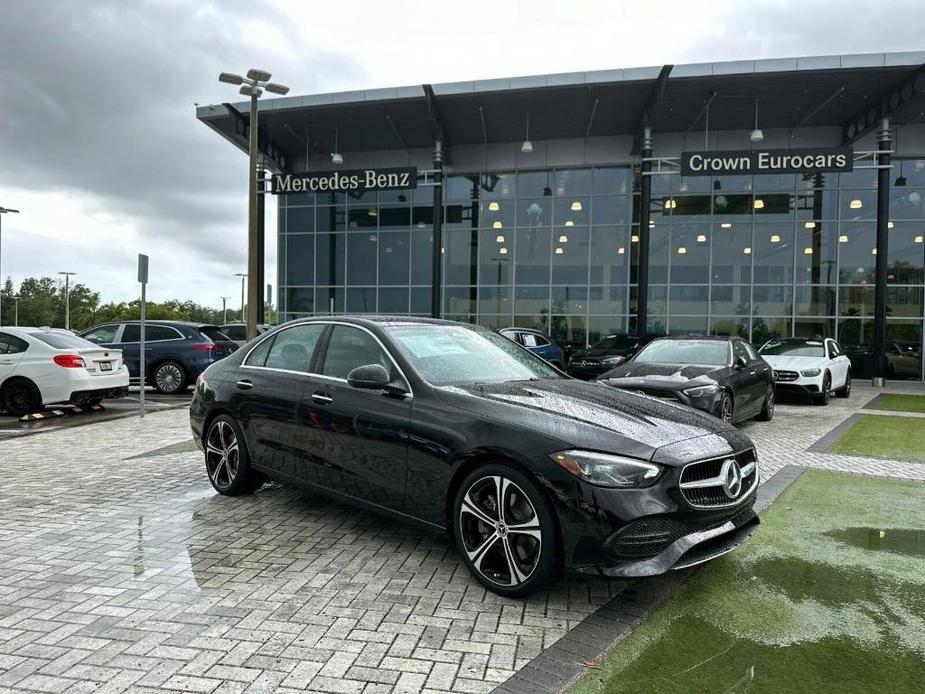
<point x="726" y="410"/>
<point x="767" y="409"/>
<point x="823" y="398"/>
<point x="169" y="378"/>
<point x="845" y="390"/>
<point x="227" y="460"/>
<point x="20" y="396"/>
<point x="512" y="563"/>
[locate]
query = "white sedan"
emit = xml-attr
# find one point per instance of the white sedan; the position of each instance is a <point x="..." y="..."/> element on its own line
<point x="41" y="366"/>
<point x="809" y="367"/>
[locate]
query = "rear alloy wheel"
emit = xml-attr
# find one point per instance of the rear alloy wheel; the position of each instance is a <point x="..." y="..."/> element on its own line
<point x="169" y="378"/>
<point x="826" y="393"/>
<point x="767" y="410"/>
<point x="505" y="531"/>
<point x="20" y="397"/>
<point x="726" y="408"/>
<point x="227" y="461"/>
<point x="845" y="390"/>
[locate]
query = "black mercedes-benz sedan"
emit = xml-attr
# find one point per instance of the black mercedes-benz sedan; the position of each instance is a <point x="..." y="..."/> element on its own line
<point x="605" y="354"/>
<point x="529" y="471"/>
<point x="724" y="376"/>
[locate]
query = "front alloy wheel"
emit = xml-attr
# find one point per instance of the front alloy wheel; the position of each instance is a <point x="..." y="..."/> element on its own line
<point x="825" y="393"/>
<point x="169" y="378"/>
<point x="504" y="530"/>
<point x="726" y="408"/>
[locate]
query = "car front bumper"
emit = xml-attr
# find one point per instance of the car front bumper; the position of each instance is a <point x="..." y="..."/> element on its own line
<point x="785" y="383"/>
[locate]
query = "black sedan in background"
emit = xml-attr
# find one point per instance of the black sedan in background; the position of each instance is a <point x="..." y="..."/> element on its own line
<point x="724" y="376"/>
<point x="604" y="355"/>
<point x="529" y="471"/>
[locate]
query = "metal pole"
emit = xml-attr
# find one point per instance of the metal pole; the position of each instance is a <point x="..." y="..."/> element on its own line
<point x="261" y="249"/>
<point x="141" y="350"/>
<point x="16" y="313"/>
<point x="67" y="302"/>
<point x="883" y="218"/>
<point x="224" y="310"/>
<point x="243" y="277"/>
<point x="642" y="270"/>
<point x="437" y="270"/>
<point x="253" y="288"/>
<point x="1" y="266"/>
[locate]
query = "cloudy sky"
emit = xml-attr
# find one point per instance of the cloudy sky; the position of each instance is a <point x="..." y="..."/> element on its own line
<point x="101" y="151"/>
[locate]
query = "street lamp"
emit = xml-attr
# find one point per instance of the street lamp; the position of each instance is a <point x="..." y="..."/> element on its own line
<point x="16" y="312"/>
<point x="243" y="276"/>
<point x="224" y="308"/>
<point x="67" y="298"/>
<point x="253" y="86"/>
<point x="3" y="211"/>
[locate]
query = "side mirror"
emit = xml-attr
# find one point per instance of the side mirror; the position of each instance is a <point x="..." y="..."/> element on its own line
<point x="740" y="363"/>
<point x="369" y="377"/>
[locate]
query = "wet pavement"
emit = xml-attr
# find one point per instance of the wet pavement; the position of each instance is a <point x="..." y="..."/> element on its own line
<point x="120" y="568"/>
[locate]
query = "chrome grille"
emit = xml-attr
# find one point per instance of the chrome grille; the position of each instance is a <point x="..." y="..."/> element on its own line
<point x="705" y="484"/>
<point x="786" y="375"/>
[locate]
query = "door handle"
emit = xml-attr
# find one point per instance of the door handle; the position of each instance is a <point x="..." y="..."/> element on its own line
<point x="322" y="399"/>
<point x="244" y="384"/>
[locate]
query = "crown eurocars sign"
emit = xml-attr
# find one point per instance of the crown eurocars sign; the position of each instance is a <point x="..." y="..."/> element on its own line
<point x="767" y="161"/>
<point x="356" y="180"/>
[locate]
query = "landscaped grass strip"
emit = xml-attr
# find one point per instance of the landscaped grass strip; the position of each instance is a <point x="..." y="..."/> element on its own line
<point x="883" y="436"/>
<point x="900" y="403"/>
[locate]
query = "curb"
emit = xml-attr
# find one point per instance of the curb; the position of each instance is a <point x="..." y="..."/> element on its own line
<point x="61" y="412"/>
<point x="567" y="659"/>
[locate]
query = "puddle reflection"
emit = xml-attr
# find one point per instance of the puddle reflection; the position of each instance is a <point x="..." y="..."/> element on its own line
<point x="899" y="540"/>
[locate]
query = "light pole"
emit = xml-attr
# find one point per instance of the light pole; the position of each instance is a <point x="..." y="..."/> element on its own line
<point x="224" y="308"/>
<point x="243" y="276"/>
<point x="67" y="298"/>
<point x="253" y="86"/>
<point x="3" y="211"/>
<point x="16" y="311"/>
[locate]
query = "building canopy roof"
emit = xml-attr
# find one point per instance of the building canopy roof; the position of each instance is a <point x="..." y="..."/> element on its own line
<point x="852" y="92"/>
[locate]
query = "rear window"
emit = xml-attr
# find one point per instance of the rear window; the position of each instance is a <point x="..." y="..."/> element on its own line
<point x="62" y="340"/>
<point x="214" y="333"/>
<point x="237" y="332"/>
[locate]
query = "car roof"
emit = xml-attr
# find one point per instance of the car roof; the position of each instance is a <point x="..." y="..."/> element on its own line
<point x="367" y="320"/>
<point x="183" y="323"/>
<point x="713" y="338"/>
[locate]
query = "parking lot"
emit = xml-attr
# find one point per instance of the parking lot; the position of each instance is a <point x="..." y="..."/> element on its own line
<point x="120" y="568"/>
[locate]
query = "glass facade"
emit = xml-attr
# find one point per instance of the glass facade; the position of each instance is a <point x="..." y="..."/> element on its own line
<point x="757" y="256"/>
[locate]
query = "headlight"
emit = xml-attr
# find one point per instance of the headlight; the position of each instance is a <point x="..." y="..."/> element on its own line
<point x="809" y="373"/>
<point x="613" y="361"/>
<point x="606" y="470"/>
<point x="701" y="391"/>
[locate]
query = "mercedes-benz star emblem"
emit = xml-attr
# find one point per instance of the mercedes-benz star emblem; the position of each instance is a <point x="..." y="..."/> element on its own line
<point x="732" y="478"/>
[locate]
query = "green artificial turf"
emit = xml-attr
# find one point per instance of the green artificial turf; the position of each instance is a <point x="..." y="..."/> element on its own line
<point x="883" y="436"/>
<point x="828" y="597"/>
<point x="901" y="403"/>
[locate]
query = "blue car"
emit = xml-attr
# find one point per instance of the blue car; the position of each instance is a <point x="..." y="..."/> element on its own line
<point x="537" y="343"/>
<point x="176" y="352"/>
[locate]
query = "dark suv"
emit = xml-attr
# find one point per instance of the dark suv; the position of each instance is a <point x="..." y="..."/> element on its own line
<point x="176" y="352"/>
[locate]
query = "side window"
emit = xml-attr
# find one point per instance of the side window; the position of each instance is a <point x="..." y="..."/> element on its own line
<point x="258" y="356"/>
<point x="349" y="348"/>
<point x="752" y="354"/>
<point x="292" y="349"/>
<point x="832" y="348"/>
<point x="10" y="344"/>
<point x="158" y="332"/>
<point x="540" y="341"/>
<point x="530" y="340"/>
<point x="738" y="350"/>
<point x="104" y="334"/>
<point x="131" y="333"/>
<point x="235" y="332"/>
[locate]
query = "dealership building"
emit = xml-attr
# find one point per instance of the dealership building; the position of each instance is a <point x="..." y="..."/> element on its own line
<point x="757" y="198"/>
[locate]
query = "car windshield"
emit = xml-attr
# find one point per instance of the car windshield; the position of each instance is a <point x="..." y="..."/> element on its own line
<point x="705" y="352"/>
<point x="445" y="354"/>
<point x="616" y="342"/>
<point x="62" y="340"/>
<point x="791" y="348"/>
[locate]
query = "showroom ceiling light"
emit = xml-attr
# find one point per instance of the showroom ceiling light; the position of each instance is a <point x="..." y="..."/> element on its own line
<point x="559" y="250"/>
<point x="527" y="146"/>
<point x="497" y="224"/>
<point x="807" y="251"/>
<point x="725" y="225"/>
<point x="682" y="250"/>
<point x="502" y="250"/>
<point x="747" y="250"/>
<point x="634" y="238"/>
<point x="569" y="223"/>
<point x="918" y="239"/>
<point x="889" y="225"/>
<point x="756" y="135"/>
<point x="775" y="238"/>
<point x="701" y="238"/>
<point x="576" y="206"/>
<point x="670" y="204"/>
<point x="563" y="239"/>
<point x="856" y="204"/>
<point x="336" y="157"/>
<point x="759" y="204"/>
<point x="843" y="238"/>
<point x="873" y="251"/>
<point x="500" y="238"/>
<point x="809" y="225"/>
<point x="494" y="206"/>
<point x="621" y="250"/>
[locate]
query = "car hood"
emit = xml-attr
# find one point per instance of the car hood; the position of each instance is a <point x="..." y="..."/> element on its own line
<point x="794" y="363"/>
<point x="600" y="353"/>
<point x="591" y="416"/>
<point x="670" y="375"/>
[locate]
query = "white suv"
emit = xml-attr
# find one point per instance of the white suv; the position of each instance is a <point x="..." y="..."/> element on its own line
<point x="814" y="367"/>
